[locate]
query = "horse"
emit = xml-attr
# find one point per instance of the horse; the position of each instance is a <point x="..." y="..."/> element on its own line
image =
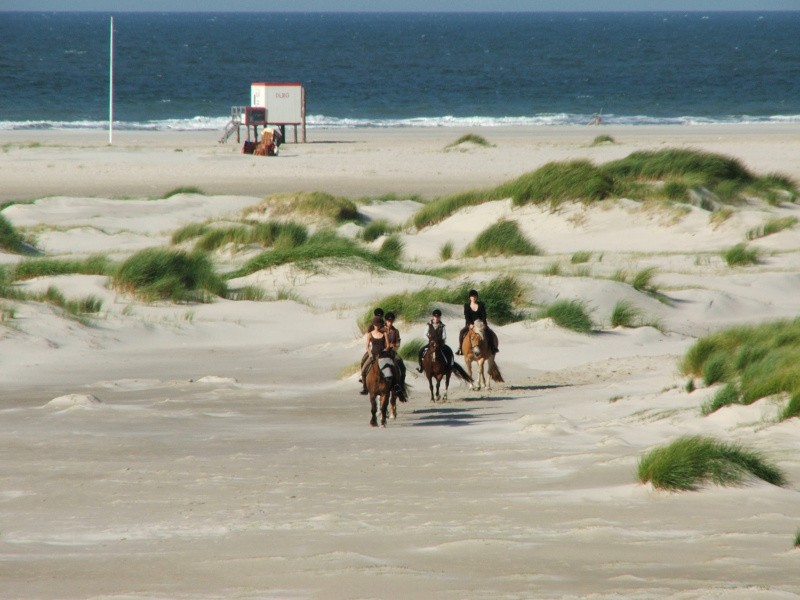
<point x="437" y="367"/>
<point x="383" y="383"/>
<point x="475" y="348"/>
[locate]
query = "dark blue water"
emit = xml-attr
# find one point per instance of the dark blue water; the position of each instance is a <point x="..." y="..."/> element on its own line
<point x="185" y="71"/>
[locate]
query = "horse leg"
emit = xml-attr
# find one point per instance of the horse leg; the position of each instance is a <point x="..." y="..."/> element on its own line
<point x="446" y="385"/>
<point x="393" y="406"/>
<point x="384" y="407"/>
<point x="482" y="374"/>
<point x="438" y="383"/>
<point x="374" y="407"/>
<point x="468" y="364"/>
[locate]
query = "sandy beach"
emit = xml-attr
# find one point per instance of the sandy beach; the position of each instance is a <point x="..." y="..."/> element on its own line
<point x="221" y="450"/>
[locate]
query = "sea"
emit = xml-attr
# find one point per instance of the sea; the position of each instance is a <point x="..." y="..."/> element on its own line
<point x="184" y="71"/>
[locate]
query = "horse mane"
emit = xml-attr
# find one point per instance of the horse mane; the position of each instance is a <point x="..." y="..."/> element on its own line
<point x="478" y="327"/>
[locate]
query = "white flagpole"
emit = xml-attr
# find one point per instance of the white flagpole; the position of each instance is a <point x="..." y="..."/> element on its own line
<point x="111" y="86"/>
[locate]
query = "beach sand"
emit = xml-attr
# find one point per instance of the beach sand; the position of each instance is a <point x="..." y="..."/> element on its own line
<point x="221" y="450"/>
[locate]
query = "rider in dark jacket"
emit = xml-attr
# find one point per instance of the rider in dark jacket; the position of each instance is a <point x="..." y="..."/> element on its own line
<point x="475" y="310"/>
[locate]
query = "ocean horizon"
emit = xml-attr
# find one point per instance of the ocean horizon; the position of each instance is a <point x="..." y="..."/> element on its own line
<point x="184" y="71"/>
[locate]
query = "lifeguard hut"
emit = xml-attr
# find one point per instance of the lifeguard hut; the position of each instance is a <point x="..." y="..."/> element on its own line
<point x="278" y="104"/>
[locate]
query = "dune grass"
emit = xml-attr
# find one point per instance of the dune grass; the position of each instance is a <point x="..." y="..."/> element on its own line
<point x="375" y="229"/>
<point x="625" y="314"/>
<point x="409" y="351"/>
<point x="666" y="174"/>
<point x="504" y="238"/>
<point x="392" y="248"/>
<point x="756" y="360"/>
<point x="324" y="244"/>
<point x="603" y="139"/>
<point x="190" y="231"/>
<point x="10" y="238"/>
<point x="580" y="257"/>
<point x="446" y="251"/>
<point x="772" y="226"/>
<point x="96" y="264"/>
<point x="8" y="290"/>
<point x="740" y="255"/>
<point x="569" y="314"/>
<point x="78" y="309"/>
<point x="188" y="189"/>
<point x="470" y="138"/>
<point x="796" y="541"/>
<point x="439" y="210"/>
<point x="165" y="274"/>
<point x="792" y="408"/>
<point x="322" y="205"/>
<point x="643" y="280"/>
<point x="271" y="234"/>
<point x="501" y="295"/>
<point x="692" y="461"/>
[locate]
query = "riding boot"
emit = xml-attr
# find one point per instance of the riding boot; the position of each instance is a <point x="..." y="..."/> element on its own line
<point x="363" y="379"/>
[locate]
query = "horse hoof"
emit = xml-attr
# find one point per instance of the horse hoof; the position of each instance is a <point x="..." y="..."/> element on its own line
<point x="374" y="422"/>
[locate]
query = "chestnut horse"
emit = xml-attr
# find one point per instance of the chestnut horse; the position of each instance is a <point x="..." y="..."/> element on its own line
<point x="475" y="348"/>
<point x="384" y="383"/>
<point x="436" y="366"/>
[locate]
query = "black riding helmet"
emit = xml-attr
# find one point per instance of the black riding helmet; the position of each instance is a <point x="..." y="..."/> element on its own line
<point x="436" y="312"/>
<point x="378" y="312"/>
<point x="389" y="316"/>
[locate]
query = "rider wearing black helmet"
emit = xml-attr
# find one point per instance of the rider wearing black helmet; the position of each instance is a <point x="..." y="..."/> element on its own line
<point x="475" y="310"/>
<point x="435" y="328"/>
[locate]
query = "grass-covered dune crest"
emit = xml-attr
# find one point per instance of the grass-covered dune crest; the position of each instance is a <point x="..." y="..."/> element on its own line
<point x="753" y="362"/>
<point x="678" y="175"/>
<point x="692" y="461"/>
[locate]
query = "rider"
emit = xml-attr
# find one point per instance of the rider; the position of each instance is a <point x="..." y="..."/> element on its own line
<point x="435" y="325"/>
<point x="378" y="343"/>
<point x="378" y="312"/>
<point x="474" y="310"/>
<point x="393" y="337"/>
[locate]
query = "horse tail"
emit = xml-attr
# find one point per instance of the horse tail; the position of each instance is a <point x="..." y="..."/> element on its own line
<point x="494" y="372"/>
<point x="461" y="373"/>
<point x="404" y="396"/>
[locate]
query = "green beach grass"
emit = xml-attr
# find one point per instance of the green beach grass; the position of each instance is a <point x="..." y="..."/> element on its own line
<point x="166" y="274"/>
<point x="569" y="314"/>
<point x="10" y="238"/>
<point x="96" y="264"/>
<point x="740" y="256"/>
<point x="753" y="362"/>
<point x="771" y="227"/>
<point x="625" y="314"/>
<point x="668" y="174"/>
<point x="502" y="239"/>
<point x="692" y="461"/>
<point x="324" y="245"/>
<point x="320" y="205"/>
<point x="469" y="138"/>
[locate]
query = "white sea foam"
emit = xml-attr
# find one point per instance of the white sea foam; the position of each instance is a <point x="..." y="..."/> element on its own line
<point x="201" y="123"/>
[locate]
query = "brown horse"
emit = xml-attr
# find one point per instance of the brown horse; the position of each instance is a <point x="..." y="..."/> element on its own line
<point x="436" y="365"/>
<point x="383" y="382"/>
<point x="475" y="348"/>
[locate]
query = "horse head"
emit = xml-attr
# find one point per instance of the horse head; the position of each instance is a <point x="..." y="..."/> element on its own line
<point x="475" y="337"/>
<point x="385" y="365"/>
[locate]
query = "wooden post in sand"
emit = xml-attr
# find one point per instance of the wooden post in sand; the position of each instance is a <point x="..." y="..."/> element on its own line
<point x="111" y="86"/>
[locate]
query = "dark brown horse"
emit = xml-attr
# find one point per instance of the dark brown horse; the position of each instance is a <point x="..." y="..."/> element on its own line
<point x="436" y="365"/>
<point x="475" y="348"/>
<point x="383" y="381"/>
